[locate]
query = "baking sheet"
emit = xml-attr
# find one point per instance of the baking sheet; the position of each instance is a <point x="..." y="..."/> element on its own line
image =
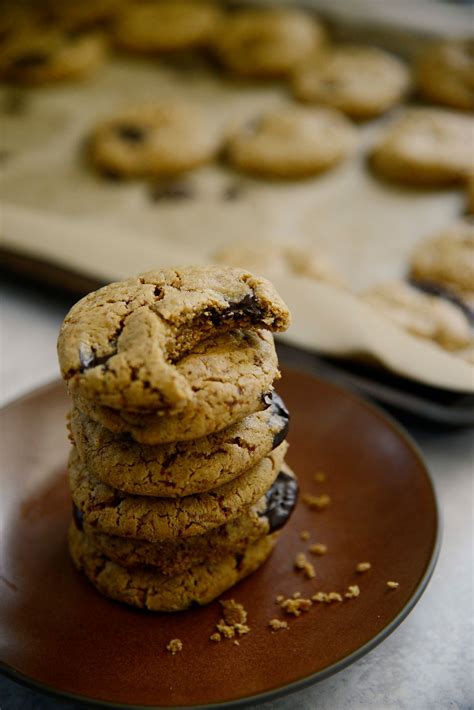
<point x="56" y="209"/>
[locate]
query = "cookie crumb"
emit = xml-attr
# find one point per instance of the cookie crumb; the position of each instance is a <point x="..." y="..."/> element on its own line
<point x="175" y="646"/>
<point x="215" y="637"/>
<point x="363" y="566"/>
<point x="319" y="477"/>
<point x="393" y="585"/>
<point x="318" y="549"/>
<point x="279" y="598"/>
<point x="334" y="597"/>
<point x="276" y="624"/>
<point x="236" y="643"/>
<point x="320" y="597"/>
<point x="295" y="606"/>
<point x="305" y="535"/>
<point x="233" y="612"/>
<point x="352" y="591"/>
<point x="295" y="595"/>
<point x="301" y="563"/>
<point x="316" y="502"/>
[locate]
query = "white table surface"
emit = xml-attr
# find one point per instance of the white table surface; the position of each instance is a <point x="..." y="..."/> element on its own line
<point x="426" y="664"/>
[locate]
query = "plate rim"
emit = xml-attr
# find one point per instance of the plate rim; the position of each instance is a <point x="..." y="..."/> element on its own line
<point x="300" y="684"/>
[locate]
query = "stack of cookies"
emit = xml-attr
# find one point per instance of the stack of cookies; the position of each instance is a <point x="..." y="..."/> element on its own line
<point x="177" y="469"/>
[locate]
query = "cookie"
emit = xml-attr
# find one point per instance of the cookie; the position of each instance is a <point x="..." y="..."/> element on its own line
<point x="267" y="42"/>
<point x="291" y="143"/>
<point x="124" y="346"/>
<point x="423" y="315"/>
<point x="274" y="260"/>
<point x="166" y="26"/>
<point x="363" y="82"/>
<point x="110" y="511"/>
<point x="148" y="589"/>
<point x="470" y="194"/>
<point x="445" y="73"/>
<point x="175" y="556"/>
<point x="447" y="260"/>
<point x="81" y="14"/>
<point x="230" y="376"/>
<point x="43" y="57"/>
<point x="152" y="140"/>
<point x="179" y="469"/>
<point x="426" y="147"/>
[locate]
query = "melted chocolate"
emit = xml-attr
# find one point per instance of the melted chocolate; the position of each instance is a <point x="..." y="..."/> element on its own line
<point x="248" y="307"/>
<point x="78" y="517"/>
<point x="434" y="289"/>
<point x="279" y="410"/>
<point x="130" y="133"/>
<point x="281" y="500"/>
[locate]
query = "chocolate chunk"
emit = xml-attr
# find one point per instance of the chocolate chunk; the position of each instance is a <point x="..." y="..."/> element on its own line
<point x="434" y="289"/>
<point x="88" y="357"/>
<point x="280" y="411"/>
<point x="129" y="132"/>
<point x="246" y="308"/>
<point x="171" y="191"/>
<point x="29" y="60"/>
<point x="78" y="517"/>
<point x="281" y="500"/>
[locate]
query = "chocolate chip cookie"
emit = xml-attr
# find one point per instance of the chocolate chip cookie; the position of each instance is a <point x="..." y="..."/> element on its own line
<point x="426" y="147"/>
<point x="445" y="73"/>
<point x="447" y="260"/>
<point x="115" y="513"/>
<point x="290" y="143"/>
<point x="37" y="56"/>
<point x="363" y="82"/>
<point x="179" y="468"/>
<point x="421" y="314"/>
<point x="152" y="140"/>
<point x="146" y="588"/>
<point x="166" y="26"/>
<point x="125" y="345"/>
<point x="176" y="555"/>
<point x="267" y="42"/>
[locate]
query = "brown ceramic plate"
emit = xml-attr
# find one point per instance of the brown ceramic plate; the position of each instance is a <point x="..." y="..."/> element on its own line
<point x="60" y="635"/>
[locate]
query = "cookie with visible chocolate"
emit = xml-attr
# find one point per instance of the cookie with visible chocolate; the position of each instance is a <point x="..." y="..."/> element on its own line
<point x="36" y="56"/>
<point x="292" y="143"/>
<point x="426" y="147"/>
<point x="176" y="555"/>
<point x="446" y="260"/>
<point x="363" y="82"/>
<point x="154" y="519"/>
<point x="123" y="345"/>
<point x="146" y="588"/>
<point x="183" y="468"/>
<point x="267" y="42"/>
<point x="165" y="26"/>
<point x="424" y="315"/>
<point x="445" y="73"/>
<point x="157" y="140"/>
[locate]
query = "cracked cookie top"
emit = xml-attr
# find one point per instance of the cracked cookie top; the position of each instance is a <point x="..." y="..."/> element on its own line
<point x="119" y="346"/>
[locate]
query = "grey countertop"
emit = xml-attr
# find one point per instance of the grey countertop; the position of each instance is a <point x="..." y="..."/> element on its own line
<point x="426" y="664"/>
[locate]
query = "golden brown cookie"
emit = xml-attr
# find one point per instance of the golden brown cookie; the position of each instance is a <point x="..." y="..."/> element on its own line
<point x="182" y="468"/>
<point x="445" y="73"/>
<point x="447" y="260"/>
<point x="363" y="82"/>
<point x="426" y="147"/>
<point x="421" y="314"/>
<point x="175" y="556"/>
<point x="130" y="345"/>
<point x="267" y="42"/>
<point x="148" y="589"/>
<point x="112" y="512"/>
<point x="165" y="26"/>
<point x="290" y="143"/>
<point x="152" y="140"/>
<point x="38" y="56"/>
